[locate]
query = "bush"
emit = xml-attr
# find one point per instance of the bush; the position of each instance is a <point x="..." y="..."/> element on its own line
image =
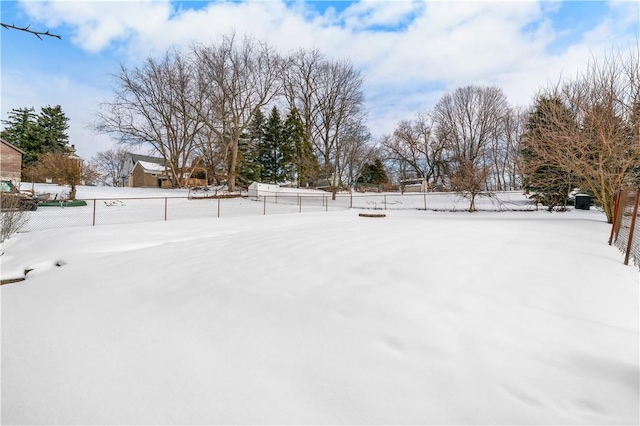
<point x="12" y="218"/>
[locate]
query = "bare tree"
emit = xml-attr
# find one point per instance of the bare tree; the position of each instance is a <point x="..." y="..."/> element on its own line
<point x="301" y="85"/>
<point x="329" y="97"/>
<point x="110" y="165"/>
<point x="339" y="104"/>
<point x="414" y="145"/>
<point x="238" y="78"/>
<point x="601" y="147"/>
<point x="156" y="104"/>
<point x="66" y="169"/>
<point x="467" y="122"/>
<point x="356" y="151"/>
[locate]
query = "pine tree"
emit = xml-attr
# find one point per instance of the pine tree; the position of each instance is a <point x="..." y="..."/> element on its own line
<point x="373" y="173"/>
<point x="305" y="167"/>
<point x="21" y="130"/>
<point x="248" y="151"/>
<point x="549" y="183"/>
<point x="276" y="150"/>
<point x="53" y="124"/>
<point x="36" y="134"/>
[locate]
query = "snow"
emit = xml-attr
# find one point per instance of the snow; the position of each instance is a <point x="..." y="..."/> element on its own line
<point x="152" y="167"/>
<point x="324" y="317"/>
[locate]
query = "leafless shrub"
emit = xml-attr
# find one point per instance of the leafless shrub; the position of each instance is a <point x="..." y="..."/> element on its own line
<point x="12" y="218"/>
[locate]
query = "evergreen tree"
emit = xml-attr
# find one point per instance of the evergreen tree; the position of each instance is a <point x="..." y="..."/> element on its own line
<point x="305" y="165"/>
<point x="21" y="130"/>
<point x="373" y="173"/>
<point x="248" y="151"/>
<point x="53" y="124"/>
<point x="276" y="150"/>
<point x="36" y="134"/>
<point x="549" y="183"/>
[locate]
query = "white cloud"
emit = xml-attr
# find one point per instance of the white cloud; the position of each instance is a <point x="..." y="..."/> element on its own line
<point x="100" y="23"/>
<point x="440" y="45"/>
<point x="371" y="13"/>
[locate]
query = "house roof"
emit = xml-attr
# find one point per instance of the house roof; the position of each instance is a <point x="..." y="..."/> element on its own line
<point x="151" y="167"/>
<point x="147" y="159"/>
<point x="12" y="146"/>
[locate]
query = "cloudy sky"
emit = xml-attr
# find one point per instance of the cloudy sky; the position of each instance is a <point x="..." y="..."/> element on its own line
<point x="409" y="52"/>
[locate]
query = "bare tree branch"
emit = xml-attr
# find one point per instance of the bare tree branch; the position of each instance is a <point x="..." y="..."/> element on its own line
<point x="28" y="29"/>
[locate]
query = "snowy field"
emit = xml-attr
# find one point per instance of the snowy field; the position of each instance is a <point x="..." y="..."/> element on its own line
<point x="326" y="317"/>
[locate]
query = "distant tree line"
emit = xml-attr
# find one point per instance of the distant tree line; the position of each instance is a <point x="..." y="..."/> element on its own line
<point x="246" y="112"/>
<point x="208" y="104"/>
<point x="582" y="133"/>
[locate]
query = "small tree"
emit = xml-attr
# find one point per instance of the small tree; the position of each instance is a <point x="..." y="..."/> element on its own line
<point x="110" y="165"/>
<point x="469" y="180"/>
<point x="373" y="173"/>
<point x="66" y="169"/>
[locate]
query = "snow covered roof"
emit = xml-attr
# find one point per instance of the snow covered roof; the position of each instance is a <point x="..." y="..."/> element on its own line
<point x="151" y="167"/>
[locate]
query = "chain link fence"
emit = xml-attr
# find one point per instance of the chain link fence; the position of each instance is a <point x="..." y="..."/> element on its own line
<point x="625" y="233"/>
<point x="111" y="211"/>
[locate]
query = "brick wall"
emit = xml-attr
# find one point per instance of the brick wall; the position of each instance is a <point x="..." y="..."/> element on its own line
<point x="10" y="162"/>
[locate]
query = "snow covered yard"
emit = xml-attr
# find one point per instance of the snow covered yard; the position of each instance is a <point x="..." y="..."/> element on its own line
<point x="419" y="317"/>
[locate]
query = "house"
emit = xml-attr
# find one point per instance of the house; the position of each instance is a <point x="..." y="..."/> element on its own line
<point x="10" y="162"/>
<point x="151" y="173"/>
<point x="146" y="174"/>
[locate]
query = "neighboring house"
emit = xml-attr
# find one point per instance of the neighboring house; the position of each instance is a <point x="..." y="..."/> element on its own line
<point x="145" y="176"/>
<point x="148" y="175"/>
<point x="10" y="162"/>
<point x="143" y="171"/>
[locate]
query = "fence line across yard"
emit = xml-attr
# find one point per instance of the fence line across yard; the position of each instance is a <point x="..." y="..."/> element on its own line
<point x="111" y="211"/>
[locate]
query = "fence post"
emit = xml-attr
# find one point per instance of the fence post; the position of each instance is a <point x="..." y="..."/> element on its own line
<point x="299" y="203"/>
<point x="425" y="202"/>
<point x="218" y="206"/>
<point x="94" y="212"/>
<point x="632" y="228"/>
<point x="351" y="201"/>
<point x="385" y="202"/>
<point x="615" y="214"/>
<point x="264" y="202"/>
<point x="325" y="202"/>
<point x="165" y="208"/>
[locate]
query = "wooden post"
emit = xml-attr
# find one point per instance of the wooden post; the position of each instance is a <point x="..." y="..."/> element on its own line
<point x="632" y="228"/>
<point x="615" y="215"/>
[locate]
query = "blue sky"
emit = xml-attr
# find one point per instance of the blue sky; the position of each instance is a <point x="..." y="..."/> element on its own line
<point x="409" y="52"/>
